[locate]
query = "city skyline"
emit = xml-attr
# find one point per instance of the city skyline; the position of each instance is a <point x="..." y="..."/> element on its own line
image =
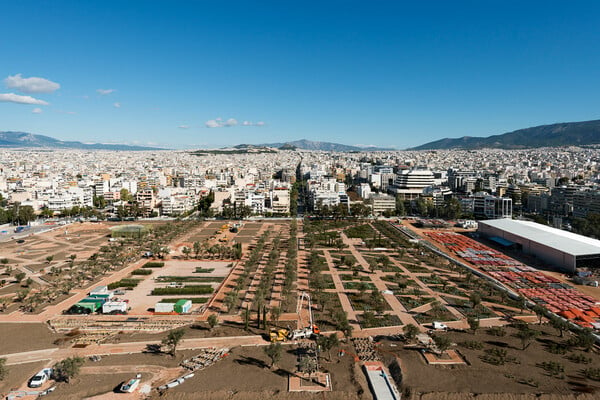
<point x="195" y="74"/>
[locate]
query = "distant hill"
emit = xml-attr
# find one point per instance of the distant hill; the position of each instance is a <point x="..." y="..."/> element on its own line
<point x="322" y="146"/>
<point x="11" y="139"/>
<point x="561" y="134"/>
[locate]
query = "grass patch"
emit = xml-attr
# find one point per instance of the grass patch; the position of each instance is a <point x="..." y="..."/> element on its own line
<point x="369" y="320"/>
<point x="414" y="302"/>
<point x="350" y="277"/>
<point x="357" y="285"/>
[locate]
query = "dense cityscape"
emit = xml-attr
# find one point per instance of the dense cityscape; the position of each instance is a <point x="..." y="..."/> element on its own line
<point x="551" y="185"/>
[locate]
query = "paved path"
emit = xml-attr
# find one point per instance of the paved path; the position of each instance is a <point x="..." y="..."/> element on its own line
<point x="397" y="307"/>
<point x="339" y="288"/>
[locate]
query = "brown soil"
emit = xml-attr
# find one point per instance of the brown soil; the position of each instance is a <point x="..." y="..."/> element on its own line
<point x="245" y="374"/>
<point x="17" y="374"/>
<point x="500" y="396"/>
<point x="18" y="338"/>
<point x="199" y="330"/>
<point x="86" y="385"/>
<point x="481" y="377"/>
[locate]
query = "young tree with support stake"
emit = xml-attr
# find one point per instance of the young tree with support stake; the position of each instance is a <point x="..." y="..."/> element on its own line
<point x="273" y="351"/>
<point x="212" y="321"/>
<point x="3" y="369"/>
<point x="410" y="331"/>
<point x="327" y="343"/>
<point x="68" y="368"/>
<point x="173" y="339"/>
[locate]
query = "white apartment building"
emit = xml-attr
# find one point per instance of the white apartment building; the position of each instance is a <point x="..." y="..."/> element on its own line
<point x="382" y="202"/>
<point x="364" y="190"/>
<point x="410" y="184"/>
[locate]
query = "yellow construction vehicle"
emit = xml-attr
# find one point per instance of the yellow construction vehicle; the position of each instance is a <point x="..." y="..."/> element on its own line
<point x="278" y="335"/>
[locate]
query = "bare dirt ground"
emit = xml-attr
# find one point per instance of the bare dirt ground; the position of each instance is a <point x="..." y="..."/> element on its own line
<point x="480" y="377"/>
<point x="26" y="337"/>
<point x="500" y="396"/>
<point x="17" y="374"/>
<point x="197" y="330"/>
<point x="87" y="385"/>
<point x="245" y="374"/>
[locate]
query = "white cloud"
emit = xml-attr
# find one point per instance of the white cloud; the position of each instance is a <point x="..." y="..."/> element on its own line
<point x="250" y="123"/>
<point x="219" y="123"/>
<point x="37" y="110"/>
<point x="15" y="98"/>
<point x="31" y="85"/>
<point x="104" y="92"/>
<point x="214" y="123"/>
<point x="184" y="127"/>
<point x="117" y="105"/>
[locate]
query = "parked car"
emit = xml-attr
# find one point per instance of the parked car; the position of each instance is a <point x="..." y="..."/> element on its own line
<point x="40" y="378"/>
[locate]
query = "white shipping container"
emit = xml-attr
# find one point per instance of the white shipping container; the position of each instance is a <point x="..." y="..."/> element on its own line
<point x="111" y="306"/>
<point x="164" y="307"/>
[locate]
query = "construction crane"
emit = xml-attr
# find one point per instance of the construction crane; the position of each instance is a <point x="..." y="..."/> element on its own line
<point x="311" y="330"/>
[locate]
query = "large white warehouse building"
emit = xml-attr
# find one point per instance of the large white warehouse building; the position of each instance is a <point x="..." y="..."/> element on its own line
<point x="562" y="249"/>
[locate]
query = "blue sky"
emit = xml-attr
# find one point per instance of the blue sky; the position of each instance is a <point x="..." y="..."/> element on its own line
<point x="387" y="73"/>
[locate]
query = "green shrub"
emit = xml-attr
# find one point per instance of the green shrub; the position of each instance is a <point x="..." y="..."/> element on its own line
<point x="195" y="300"/>
<point x="141" y="271"/>
<point x="190" y="289"/>
<point x="125" y="282"/>
<point x="592" y="373"/>
<point x="200" y="270"/>
<point x="579" y="358"/>
<point x="205" y="279"/>
<point x="557" y="348"/>
<point x="154" y="264"/>
<point x="496" y="331"/>
<point x="472" y="344"/>
<point x="552" y="367"/>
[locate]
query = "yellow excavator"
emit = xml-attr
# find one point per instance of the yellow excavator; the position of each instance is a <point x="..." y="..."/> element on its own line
<point x="279" y="335"/>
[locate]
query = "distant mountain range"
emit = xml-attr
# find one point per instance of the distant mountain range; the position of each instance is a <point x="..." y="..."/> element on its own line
<point x="322" y="146"/>
<point x="561" y="134"/>
<point x="22" y="139"/>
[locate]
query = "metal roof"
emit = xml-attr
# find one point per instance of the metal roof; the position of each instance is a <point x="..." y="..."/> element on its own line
<point x="564" y="241"/>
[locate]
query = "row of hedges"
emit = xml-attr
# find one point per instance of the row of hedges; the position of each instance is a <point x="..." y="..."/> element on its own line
<point x="141" y="271"/>
<point x="125" y="282"/>
<point x="191" y="289"/>
<point x="200" y="270"/>
<point x="154" y="264"/>
<point x="195" y="300"/>
<point x="205" y="279"/>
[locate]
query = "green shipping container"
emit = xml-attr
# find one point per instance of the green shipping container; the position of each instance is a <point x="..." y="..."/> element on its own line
<point x="93" y="306"/>
<point x="183" y="306"/>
